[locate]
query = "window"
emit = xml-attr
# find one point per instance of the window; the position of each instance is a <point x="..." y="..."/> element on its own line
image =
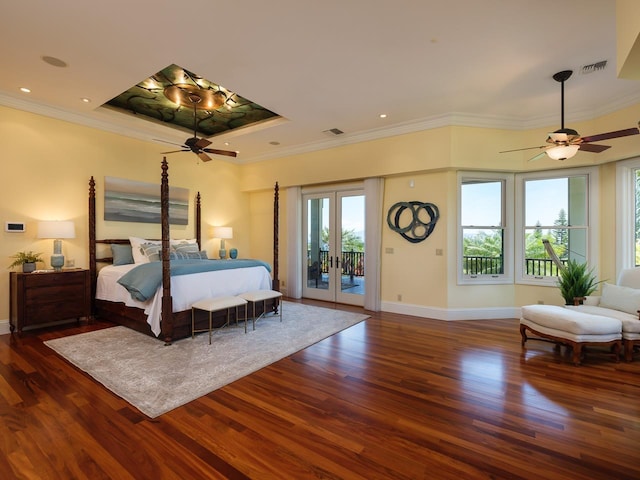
<point x="553" y="206"/>
<point x="485" y="237"/>
<point x="628" y="214"/>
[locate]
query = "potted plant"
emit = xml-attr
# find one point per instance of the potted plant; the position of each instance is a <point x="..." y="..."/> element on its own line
<point x="27" y="260"/>
<point x="576" y="281"/>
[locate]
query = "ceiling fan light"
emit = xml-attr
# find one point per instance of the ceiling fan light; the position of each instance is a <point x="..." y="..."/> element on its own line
<point x="562" y="152"/>
<point x="201" y="99"/>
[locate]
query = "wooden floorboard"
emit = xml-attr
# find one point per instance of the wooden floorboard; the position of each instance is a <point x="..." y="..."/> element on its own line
<point x="394" y="397"/>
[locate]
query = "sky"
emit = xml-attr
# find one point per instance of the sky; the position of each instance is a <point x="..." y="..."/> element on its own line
<point x="352" y="214"/>
<point x="481" y="202"/>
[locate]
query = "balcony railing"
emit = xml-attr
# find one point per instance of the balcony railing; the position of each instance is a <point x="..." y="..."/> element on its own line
<point x="478" y="265"/>
<point x="352" y="263"/>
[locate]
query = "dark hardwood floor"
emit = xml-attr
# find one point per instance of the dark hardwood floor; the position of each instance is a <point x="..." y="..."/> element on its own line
<point x="394" y="397"/>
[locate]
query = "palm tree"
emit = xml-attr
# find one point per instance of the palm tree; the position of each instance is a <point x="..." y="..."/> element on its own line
<point x="481" y="247"/>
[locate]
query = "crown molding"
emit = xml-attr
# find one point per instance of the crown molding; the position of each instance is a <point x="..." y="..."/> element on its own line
<point x="119" y="124"/>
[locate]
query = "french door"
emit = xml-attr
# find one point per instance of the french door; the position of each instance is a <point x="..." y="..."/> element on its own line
<point x="333" y="246"/>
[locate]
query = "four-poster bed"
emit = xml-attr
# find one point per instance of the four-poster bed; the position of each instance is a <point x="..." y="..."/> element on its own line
<point x="172" y="324"/>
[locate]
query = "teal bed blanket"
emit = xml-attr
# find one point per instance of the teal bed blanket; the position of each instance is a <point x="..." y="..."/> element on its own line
<point x="143" y="280"/>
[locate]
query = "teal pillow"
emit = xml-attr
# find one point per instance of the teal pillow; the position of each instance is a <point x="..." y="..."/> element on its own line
<point x="122" y="254"/>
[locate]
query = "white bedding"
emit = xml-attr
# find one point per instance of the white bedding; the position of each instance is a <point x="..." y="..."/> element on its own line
<point x="185" y="289"/>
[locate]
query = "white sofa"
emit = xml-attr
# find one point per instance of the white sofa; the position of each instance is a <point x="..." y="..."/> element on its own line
<point x="620" y="301"/>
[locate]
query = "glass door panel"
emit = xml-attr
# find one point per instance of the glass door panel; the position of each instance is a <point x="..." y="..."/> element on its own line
<point x="351" y="245"/>
<point x="318" y="283"/>
<point x="334" y="246"/>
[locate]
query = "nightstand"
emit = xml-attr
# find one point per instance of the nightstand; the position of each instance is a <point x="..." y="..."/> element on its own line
<point x="42" y="298"/>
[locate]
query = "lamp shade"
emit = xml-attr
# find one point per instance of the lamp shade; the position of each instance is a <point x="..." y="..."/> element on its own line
<point x="562" y="152"/>
<point x="56" y="229"/>
<point x="222" y="232"/>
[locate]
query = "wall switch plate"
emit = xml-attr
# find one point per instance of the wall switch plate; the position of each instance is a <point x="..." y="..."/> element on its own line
<point x="14" y="227"/>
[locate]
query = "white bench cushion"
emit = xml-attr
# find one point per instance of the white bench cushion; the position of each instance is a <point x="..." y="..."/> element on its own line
<point x="571" y="324"/>
<point x="219" y="303"/>
<point x="630" y="323"/>
<point x="260" y="295"/>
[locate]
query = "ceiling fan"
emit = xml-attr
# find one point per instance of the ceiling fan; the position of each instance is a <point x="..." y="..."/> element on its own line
<point x="200" y="99"/>
<point x="565" y="143"/>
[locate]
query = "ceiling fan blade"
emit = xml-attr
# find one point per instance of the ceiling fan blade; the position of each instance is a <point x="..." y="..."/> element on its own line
<point x="592" y="147"/>
<point x="175" y="151"/>
<point x="202" y="142"/>
<point x="537" y="157"/>
<point x="521" y="149"/>
<point x="170" y="143"/>
<point x="609" y="135"/>
<point x="204" y="157"/>
<point x="228" y="153"/>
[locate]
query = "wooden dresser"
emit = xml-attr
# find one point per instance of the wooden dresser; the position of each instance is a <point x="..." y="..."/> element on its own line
<point x="42" y="298"/>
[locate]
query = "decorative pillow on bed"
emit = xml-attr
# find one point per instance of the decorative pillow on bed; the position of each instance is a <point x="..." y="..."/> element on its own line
<point x="153" y="251"/>
<point x="175" y="255"/>
<point x="174" y="242"/>
<point x="184" y="247"/>
<point x="138" y="255"/>
<point x="121" y="254"/>
<point x="624" y="299"/>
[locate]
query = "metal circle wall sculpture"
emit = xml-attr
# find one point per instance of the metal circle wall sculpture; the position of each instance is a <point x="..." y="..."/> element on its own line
<point x="415" y="225"/>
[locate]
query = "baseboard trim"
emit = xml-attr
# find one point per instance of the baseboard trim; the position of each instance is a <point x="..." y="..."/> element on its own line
<point x="4" y="327"/>
<point x="436" y="313"/>
<point x="452" y="314"/>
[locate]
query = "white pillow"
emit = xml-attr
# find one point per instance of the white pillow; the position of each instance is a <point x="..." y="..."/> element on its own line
<point x="136" y="251"/>
<point x="624" y="299"/>
<point x="174" y="241"/>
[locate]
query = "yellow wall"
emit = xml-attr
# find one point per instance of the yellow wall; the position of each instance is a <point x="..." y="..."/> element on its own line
<point x="46" y="166"/>
<point x="628" y="39"/>
<point x="431" y="159"/>
<point x="414" y="271"/>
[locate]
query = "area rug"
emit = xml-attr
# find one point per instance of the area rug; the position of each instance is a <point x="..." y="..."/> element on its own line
<point x="156" y="378"/>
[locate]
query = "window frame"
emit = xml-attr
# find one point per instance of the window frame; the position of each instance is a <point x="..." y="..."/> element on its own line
<point x="592" y="230"/>
<point x="507" y="212"/>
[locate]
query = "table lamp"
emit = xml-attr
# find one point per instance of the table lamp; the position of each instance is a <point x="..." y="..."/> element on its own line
<point x="57" y="230"/>
<point x="222" y="233"/>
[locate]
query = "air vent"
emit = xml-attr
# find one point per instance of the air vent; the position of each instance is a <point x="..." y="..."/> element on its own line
<point x="594" y="67"/>
<point x="333" y="131"/>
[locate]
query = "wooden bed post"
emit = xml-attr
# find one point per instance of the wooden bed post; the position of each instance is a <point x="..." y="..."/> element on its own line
<point x="276" y="281"/>
<point x="93" y="269"/>
<point x="167" y="300"/>
<point x="198" y="222"/>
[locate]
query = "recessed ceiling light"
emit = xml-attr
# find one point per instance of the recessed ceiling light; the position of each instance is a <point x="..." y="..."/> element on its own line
<point x="86" y="100"/>
<point x="53" y="61"/>
<point x="25" y="90"/>
<point x="227" y="143"/>
<point x="383" y="115"/>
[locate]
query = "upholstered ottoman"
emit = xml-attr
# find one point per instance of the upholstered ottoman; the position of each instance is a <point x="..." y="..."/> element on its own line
<point x="630" y="323"/>
<point x="565" y="326"/>
<point x="261" y="296"/>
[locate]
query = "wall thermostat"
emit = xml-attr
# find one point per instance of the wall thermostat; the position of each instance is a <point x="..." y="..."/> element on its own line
<point x="14" y="227"/>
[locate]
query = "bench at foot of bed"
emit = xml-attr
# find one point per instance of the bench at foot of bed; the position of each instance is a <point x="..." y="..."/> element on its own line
<point x="215" y="305"/>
